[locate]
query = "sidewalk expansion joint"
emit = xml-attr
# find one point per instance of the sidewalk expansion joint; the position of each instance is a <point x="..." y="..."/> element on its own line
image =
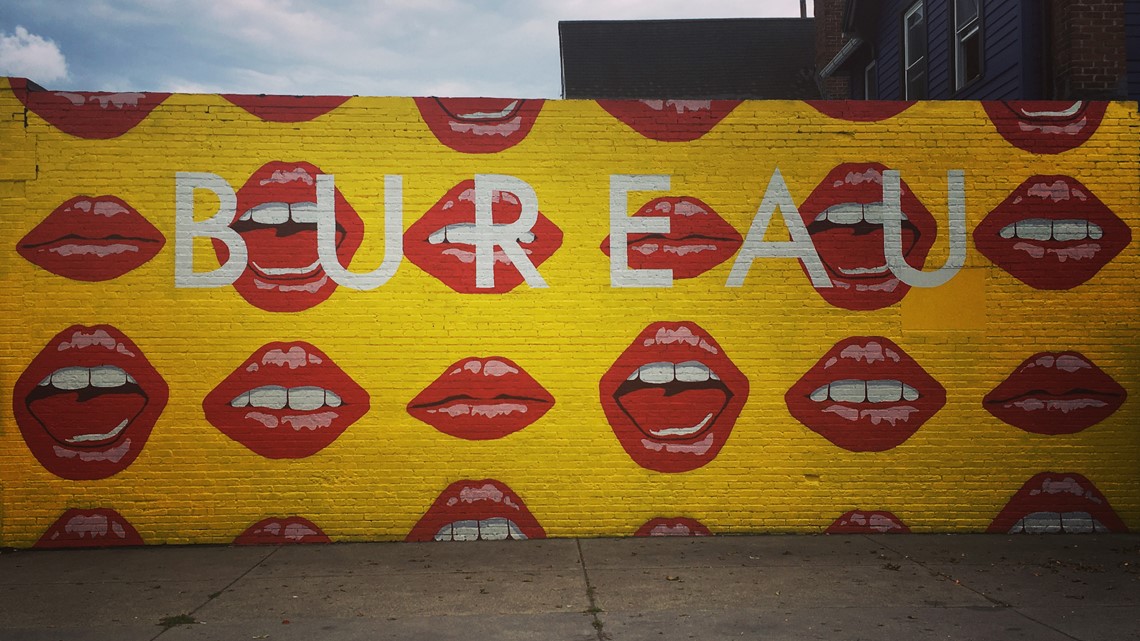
<point x="594" y="610"/>
<point x="190" y="615"/>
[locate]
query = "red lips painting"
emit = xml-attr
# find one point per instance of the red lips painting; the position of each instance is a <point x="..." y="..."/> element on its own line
<point x="276" y="217"/>
<point x="439" y="242"/>
<point x="481" y="398"/>
<point x="672" y="397"/>
<point x="865" y="395"/>
<point x="1052" y="233"/>
<point x="844" y="216"/>
<point x="92" y="239"/>
<point x="1055" y="393"/>
<point x="483" y="510"/>
<point x="698" y="239"/>
<point x="87" y="114"/>
<point x="87" y="403"/>
<point x="479" y="125"/>
<point x="286" y="401"/>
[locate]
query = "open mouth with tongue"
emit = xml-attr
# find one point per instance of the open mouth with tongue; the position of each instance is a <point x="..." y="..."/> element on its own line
<point x="673" y="397"/>
<point x="865" y="395"/>
<point x="479" y="125"/>
<point x="1046" y="126"/>
<point x="670" y="120"/>
<point x="698" y="239"/>
<point x="1055" y="393"/>
<point x="1052" y="233"/>
<point x="1057" y="503"/>
<point x="87" y="114"/>
<point x="92" y="239"/>
<point x="95" y="528"/>
<point x="87" y="403"/>
<point x="442" y="241"/>
<point x="288" y="400"/>
<point x="277" y="218"/>
<point x="844" y="216"/>
<point x="484" y="510"/>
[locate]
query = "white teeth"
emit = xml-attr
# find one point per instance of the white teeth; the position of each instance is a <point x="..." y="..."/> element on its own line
<point x="854" y="213"/>
<point x="1047" y="229"/>
<point x="663" y="373"/>
<point x="656" y="373"/>
<point x="77" y="378"/>
<point x="271" y="397"/>
<point x="888" y="391"/>
<point x="464" y="233"/>
<point x="279" y="213"/>
<point x="270" y="213"/>
<point x="274" y="397"/>
<point x="858" y="391"/>
<point x="1056" y="523"/>
<point x="289" y="271"/>
<point x="108" y="376"/>
<point x="306" y="398"/>
<point x="303" y="213"/>
<point x="71" y="378"/>
<point x="493" y="529"/>
<point x="85" y="438"/>
<point x="691" y="372"/>
<point x="1068" y="112"/>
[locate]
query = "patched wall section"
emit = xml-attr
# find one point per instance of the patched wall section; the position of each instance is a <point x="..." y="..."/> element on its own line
<point x="280" y="319"/>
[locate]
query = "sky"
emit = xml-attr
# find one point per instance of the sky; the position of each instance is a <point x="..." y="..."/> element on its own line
<point x="504" y="48"/>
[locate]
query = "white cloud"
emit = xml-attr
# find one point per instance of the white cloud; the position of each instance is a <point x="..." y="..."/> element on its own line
<point x="30" y="56"/>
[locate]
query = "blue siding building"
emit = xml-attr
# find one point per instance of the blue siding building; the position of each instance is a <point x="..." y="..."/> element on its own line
<point x="986" y="49"/>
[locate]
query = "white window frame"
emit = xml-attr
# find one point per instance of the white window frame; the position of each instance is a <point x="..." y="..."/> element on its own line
<point x="963" y="30"/>
<point x="918" y="65"/>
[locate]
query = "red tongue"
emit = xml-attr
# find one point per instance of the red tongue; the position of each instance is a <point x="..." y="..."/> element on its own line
<point x="839" y="247"/>
<point x="293" y="251"/>
<point x="653" y="411"/>
<point x="65" y="417"/>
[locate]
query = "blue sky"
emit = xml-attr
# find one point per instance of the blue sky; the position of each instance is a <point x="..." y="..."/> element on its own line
<point x="364" y="47"/>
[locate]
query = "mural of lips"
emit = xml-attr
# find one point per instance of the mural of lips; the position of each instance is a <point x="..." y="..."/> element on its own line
<point x="92" y="239"/>
<point x="1052" y="233"/>
<point x="287" y="400"/>
<point x="87" y="403"/>
<point x="276" y="217"/>
<point x="673" y="397"/>
<point x="479" y="125"/>
<point x="438" y="242"/>
<point x="698" y="239"/>
<point x="867" y="522"/>
<point x="485" y="510"/>
<point x="844" y="216"/>
<point x="271" y="108"/>
<point x="287" y="530"/>
<point x="865" y="395"/>
<point x="1057" y="503"/>
<point x="87" y="114"/>
<point x="1055" y="393"/>
<point x="670" y="120"/>
<point x="672" y="526"/>
<point x="481" y="398"/>
<point x="1045" y="126"/>
<point x="860" y="110"/>
<point x="95" y="528"/>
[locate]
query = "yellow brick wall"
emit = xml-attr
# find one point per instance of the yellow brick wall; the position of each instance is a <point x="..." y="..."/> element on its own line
<point x="192" y="483"/>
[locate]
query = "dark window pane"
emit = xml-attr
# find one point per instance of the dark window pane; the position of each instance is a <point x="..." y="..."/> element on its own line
<point x="966" y="10"/>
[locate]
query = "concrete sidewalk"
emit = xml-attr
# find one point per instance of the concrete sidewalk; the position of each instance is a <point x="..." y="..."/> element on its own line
<point x="787" y="588"/>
